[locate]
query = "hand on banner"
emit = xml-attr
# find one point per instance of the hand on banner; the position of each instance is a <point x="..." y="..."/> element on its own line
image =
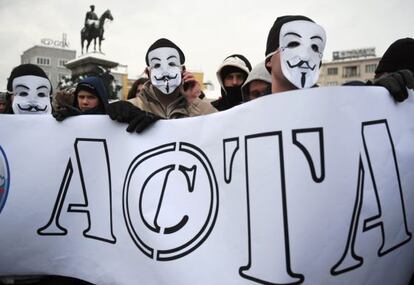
<point x="65" y="112"/>
<point x="397" y="83"/>
<point x="191" y="87"/>
<point x="137" y="119"/>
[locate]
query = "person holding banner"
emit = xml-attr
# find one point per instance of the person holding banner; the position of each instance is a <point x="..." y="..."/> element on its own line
<point x="397" y="67"/>
<point x="294" y="51"/>
<point x="171" y="92"/>
<point x="30" y="90"/>
<point x="90" y="98"/>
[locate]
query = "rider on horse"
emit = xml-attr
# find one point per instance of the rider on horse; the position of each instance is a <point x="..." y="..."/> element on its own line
<point x="91" y="19"/>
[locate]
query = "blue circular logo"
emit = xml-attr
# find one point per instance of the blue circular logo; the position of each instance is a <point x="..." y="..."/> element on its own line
<point x="4" y="178"/>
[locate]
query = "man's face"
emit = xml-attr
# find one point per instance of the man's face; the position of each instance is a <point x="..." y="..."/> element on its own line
<point x="31" y="95"/>
<point x="234" y="79"/>
<point x="87" y="100"/>
<point x="165" y="69"/>
<point x="2" y="106"/>
<point x="301" y="49"/>
<point x="258" y="88"/>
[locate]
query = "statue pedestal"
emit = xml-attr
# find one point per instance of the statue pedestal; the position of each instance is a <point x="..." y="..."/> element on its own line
<point x="95" y="64"/>
<point x="89" y="63"/>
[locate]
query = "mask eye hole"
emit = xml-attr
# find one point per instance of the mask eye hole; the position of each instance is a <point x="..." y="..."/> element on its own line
<point x="41" y="94"/>
<point x="157" y="65"/>
<point x="293" y="44"/>
<point x="315" y="48"/>
<point x="23" y="94"/>
<point x="172" y="64"/>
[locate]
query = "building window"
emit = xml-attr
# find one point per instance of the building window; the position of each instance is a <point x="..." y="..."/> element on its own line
<point x="332" y="83"/>
<point x="62" y="62"/>
<point x="350" y="71"/>
<point x="43" y="61"/>
<point x="332" y="70"/>
<point x="370" y="68"/>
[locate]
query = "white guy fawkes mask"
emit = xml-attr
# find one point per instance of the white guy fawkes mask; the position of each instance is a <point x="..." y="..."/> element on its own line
<point x="31" y="95"/>
<point x="301" y="50"/>
<point x="165" y="69"/>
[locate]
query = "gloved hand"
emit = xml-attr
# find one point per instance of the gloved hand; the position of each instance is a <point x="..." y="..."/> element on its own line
<point x="397" y="83"/>
<point x="65" y="112"/>
<point x="125" y="112"/>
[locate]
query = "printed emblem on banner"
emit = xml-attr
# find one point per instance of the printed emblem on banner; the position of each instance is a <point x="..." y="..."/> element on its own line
<point x="4" y="178"/>
<point x="170" y="200"/>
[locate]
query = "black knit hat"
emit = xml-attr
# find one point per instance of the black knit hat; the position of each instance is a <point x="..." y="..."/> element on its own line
<point x="23" y="70"/>
<point x="274" y="34"/>
<point x="165" y="43"/>
<point x="399" y="55"/>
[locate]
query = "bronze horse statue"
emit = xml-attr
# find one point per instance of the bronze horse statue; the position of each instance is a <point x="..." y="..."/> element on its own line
<point x="89" y="33"/>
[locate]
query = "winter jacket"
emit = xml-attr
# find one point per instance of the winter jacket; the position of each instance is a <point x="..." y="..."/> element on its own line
<point x="148" y="101"/>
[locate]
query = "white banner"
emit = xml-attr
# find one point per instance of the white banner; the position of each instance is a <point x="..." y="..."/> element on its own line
<point x="303" y="187"/>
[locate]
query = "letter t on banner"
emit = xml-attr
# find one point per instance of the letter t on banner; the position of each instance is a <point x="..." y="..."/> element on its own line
<point x="269" y="253"/>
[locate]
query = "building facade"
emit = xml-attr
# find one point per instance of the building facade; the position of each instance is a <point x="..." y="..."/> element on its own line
<point x="51" y="59"/>
<point x="352" y="65"/>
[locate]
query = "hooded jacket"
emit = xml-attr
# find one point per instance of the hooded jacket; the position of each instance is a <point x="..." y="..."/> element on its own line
<point x="259" y="72"/>
<point x="95" y="86"/>
<point x="234" y="63"/>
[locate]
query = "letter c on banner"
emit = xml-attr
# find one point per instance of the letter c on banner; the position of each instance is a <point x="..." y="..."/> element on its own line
<point x="4" y="178"/>
<point x="170" y="200"/>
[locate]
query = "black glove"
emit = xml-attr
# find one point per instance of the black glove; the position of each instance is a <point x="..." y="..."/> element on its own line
<point x="397" y="83"/>
<point x="125" y="112"/>
<point x="64" y="112"/>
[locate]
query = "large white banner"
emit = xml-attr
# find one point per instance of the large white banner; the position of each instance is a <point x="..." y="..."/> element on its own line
<point x="302" y="187"/>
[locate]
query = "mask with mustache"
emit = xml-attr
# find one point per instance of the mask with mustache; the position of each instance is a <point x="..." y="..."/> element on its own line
<point x="31" y="95"/>
<point x="165" y="69"/>
<point x="301" y="50"/>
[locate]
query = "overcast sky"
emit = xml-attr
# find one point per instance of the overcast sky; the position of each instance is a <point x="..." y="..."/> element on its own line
<point x="207" y="31"/>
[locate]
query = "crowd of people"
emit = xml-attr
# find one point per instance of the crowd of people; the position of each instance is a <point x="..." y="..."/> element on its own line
<point x="293" y="57"/>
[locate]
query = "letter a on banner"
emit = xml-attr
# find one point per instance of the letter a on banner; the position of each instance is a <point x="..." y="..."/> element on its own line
<point x="391" y="218"/>
<point x="269" y="253"/>
<point x="95" y="175"/>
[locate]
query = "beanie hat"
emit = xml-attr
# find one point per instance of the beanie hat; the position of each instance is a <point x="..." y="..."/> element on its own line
<point x="23" y="70"/>
<point x="274" y="33"/>
<point x="399" y="55"/>
<point x="165" y="43"/>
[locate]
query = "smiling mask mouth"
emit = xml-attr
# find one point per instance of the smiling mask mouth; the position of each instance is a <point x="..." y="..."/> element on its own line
<point x="301" y="64"/>
<point x="32" y="108"/>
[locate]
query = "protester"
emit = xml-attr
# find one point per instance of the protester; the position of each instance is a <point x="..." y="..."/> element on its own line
<point x="397" y="67"/>
<point x="136" y="87"/>
<point x="231" y="75"/>
<point x="170" y="93"/>
<point x="90" y="98"/>
<point x="30" y="90"/>
<point x="3" y="102"/>
<point x="258" y="83"/>
<point x="294" y="52"/>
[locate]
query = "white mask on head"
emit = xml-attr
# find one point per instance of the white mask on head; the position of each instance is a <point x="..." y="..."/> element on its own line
<point x="31" y="95"/>
<point x="165" y="69"/>
<point x="301" y="50"/>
